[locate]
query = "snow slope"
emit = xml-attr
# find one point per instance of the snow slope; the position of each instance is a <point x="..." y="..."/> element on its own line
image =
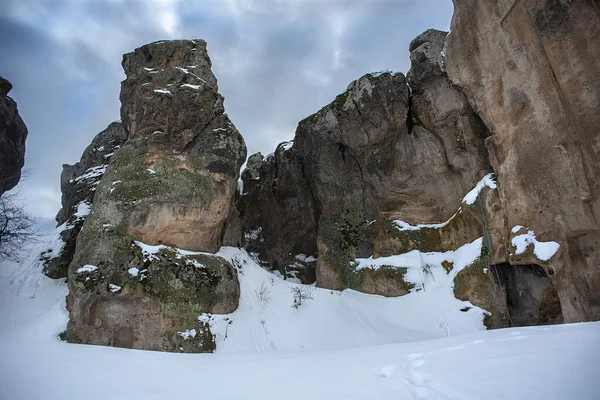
<point x="336" y="345"/>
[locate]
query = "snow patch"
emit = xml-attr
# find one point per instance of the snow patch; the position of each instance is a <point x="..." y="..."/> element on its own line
<point x="187" y="334"/>
<point x="469" y="199"/>
<point x="91" y="173"/>
<point x="163" y="91"/>
<point x="305" y="258"/>
<point x="86" y="269"/>
<point x="382" y="72"/>
<point x="487" y="180"/>
<point x="133" y="271"/>
<point x="266" y="322"/>
<point x="113" y="288"/>
<point x="287" y="145"/>
<point x="195" y="87"/>
<point x="83" y="210"/>
<point x="425" y="269"/>
<point x="405" y="226"/>
<point x="542" y="250"/>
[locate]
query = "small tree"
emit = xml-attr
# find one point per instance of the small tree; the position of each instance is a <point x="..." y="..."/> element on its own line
<point x="17" y="228"/>
<point x="301" y="293"/>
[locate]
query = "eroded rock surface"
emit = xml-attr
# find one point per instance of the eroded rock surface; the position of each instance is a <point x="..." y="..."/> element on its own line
<point x="179" y="171"/>
<point x="381" y="151"/>
<point x="171" y="185"/>
<point x="531" y="71"/>
<point x="78" y="184"/>
<point x="13" y="133"/>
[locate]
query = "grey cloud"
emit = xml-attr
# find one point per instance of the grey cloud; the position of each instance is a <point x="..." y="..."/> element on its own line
<point x="276" y="62"/>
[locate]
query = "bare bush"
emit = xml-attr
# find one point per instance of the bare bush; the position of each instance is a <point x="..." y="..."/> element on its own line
<point x="264" y="295"/>
<point x="17" y="228"/>
<point x="301" y="294"/>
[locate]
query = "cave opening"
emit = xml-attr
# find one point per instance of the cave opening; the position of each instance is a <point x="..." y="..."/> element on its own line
<point x="531" y="298"/>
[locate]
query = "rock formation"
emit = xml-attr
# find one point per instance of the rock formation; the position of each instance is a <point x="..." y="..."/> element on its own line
<point x="13" y="133"/>
<point x="391" y="152"/>
<point x="531" y="71"/>
<point x="170" y="186"/>
<point x="393" y="164"/>
<point x="386" y="149"/>
<point x="78" y="184"/>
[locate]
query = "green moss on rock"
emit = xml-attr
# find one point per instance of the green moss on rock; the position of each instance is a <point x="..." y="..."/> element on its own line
<point x="169" y="182"/>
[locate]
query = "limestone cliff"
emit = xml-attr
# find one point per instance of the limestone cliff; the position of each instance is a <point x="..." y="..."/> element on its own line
<point x="531" y="70"/>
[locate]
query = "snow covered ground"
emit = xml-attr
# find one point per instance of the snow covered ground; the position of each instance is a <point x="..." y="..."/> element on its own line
<point x="335" y="345"/>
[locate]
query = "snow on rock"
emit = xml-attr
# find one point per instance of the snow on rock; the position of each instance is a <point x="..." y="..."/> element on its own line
<point x="305" y="258"/>
<point x="416" y="260"/>
<point x="163" y="91"/>
<point x="133" y="271"/>
<point x="469" y="199"/>
<point x="287" y="145"/>
<point x="86" y="268"/>
<point x="379" y="73"/>
<point x="149" y="253"/>
<point x="542" y="250"/>
<point x="92" y="173"/>
<point x="188" y="333"/>
<point x="487" y="180"/>
<point x="83" y="210"/>
<point x="114" y="288"/>
<point x="405" y="226"/>
<point x="195" y="87"/>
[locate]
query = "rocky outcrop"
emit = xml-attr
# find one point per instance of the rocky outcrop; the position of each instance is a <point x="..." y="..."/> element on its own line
<point x="388" y="148"/>
<point x="78" y="184"/>
<point x="180" y="137"/>
<point x="170" y="186"/>
<point x="277" y="198"/>
<point x="13" y="133"/>
<point x="531" y="71"/>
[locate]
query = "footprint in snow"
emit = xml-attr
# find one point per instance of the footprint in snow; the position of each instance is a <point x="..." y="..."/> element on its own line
<point x="387" y="371"/>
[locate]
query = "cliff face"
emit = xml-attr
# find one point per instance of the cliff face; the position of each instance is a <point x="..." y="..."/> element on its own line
<point x="388" y="148"/>
<point x="531" y="71"/>
<point x="170" y="186"/>
<point x="514" y="90"/>
<point x="13" y="133"/>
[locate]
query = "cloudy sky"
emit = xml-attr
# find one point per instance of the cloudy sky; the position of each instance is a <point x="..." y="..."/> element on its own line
<point x="276" y="61"/>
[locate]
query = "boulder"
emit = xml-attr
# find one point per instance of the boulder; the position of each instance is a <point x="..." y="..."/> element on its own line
<point x="531" y="71"/>
<point x="13" y="133"/>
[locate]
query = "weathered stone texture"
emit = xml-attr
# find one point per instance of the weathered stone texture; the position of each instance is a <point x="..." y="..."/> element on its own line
<point x="172" y="184"/>
<point x="530" y="69"/>
<point x="13" y="133"/>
